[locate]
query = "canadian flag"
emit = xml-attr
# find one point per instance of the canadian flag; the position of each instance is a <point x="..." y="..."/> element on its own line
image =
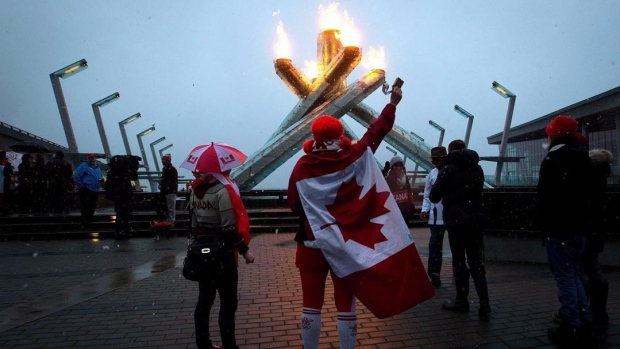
<point x="358" y="226"/>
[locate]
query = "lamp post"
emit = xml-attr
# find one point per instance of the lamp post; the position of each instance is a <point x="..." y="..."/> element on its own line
<point x="153" y="152"/>
<point x="122" y="124"/>
<point x="104" y="140"/>
<point x="144" y="159"/>
<point x="60" y="99"/>
<point x="161" y="151"/>
<point x="139" y="136"/>
<point x="441" y="130"/>
<point x="469" y="122"/>
<point x="502" y="91"/>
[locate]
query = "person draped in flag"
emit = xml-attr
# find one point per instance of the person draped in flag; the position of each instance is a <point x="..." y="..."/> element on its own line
<point x="353" y="239"/>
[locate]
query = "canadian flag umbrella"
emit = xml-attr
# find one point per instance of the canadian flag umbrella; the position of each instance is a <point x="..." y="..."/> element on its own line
<point x="214" y="157"/>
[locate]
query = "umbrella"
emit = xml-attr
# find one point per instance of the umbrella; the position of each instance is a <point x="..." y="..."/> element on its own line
<point x="29" y="147"/>
<point x="214" y="157"/>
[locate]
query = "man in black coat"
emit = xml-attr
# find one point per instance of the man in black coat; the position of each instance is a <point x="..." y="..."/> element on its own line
<point x="563" y="189"/>
<point x="459" y="183"/>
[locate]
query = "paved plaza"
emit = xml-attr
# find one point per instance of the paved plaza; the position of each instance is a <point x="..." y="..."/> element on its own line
<point x="130" y="294"/>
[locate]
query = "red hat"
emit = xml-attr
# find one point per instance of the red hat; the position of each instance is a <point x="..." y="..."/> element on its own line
<point x="167" y="157"/>
<point x="90" y="155"/>
<point x="327" y="127"/>
<point x="561" y="125"/>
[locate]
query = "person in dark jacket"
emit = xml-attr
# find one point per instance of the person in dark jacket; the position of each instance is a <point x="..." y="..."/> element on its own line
<point x="168" y="187"/>
<point x="25" y="187"/>
<point x="39" y="186"/>
<point x="118" y="188"/>
<point x="59" y="182"/>
<point x="563" y="188"/>
<point x="595" y="283"/>
<point x="459" y="184"/>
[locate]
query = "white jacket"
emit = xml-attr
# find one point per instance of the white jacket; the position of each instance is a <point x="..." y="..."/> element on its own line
<point x="427" y="205"/>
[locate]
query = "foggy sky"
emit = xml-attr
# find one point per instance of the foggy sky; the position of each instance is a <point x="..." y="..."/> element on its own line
<point x="202" y="71"/>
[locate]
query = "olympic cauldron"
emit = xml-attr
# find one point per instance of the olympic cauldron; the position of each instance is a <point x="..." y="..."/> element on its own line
<point x="327" y="94"/>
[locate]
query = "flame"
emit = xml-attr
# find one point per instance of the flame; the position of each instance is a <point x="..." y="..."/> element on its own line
<point x="282" y="47"/>
<point x="330" y="18"/>
<point x="374" y="58"/>
<point x="311" y="69"/>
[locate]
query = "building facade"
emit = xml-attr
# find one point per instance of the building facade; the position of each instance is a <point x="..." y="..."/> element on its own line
<point x="598" y="119"/>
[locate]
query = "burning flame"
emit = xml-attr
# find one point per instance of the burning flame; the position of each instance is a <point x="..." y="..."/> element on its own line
<point x="374" y="58"/>
<point x="282" y="46"/>
<point x="330" y="18"/>
<point x="311" y="69"/>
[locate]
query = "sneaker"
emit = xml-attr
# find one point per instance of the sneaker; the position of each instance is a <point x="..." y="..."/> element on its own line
<point x="456" y="305"/>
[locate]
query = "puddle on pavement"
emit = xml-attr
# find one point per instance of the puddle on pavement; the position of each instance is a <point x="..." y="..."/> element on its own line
<point x="23" y="313"/>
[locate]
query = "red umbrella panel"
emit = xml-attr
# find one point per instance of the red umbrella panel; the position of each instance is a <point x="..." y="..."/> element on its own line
<point x="214" y="157"/>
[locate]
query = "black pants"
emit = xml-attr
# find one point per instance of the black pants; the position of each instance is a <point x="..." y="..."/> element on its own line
<point x="124" y="210"/>
<point x="88" y="203"/>
<point x="226" y="286"/>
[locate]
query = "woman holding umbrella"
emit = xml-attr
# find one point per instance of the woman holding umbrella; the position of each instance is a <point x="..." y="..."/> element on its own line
<point x="217" y="210"/>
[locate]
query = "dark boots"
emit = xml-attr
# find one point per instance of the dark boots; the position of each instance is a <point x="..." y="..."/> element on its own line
<point x="460" y="303"/>
<point x="598" y="302"/>
<point x="480" y="282"/>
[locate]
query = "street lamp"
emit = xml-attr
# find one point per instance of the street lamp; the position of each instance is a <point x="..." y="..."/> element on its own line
<point x="504" y="92"/>
<point x="122" y="124"/>
<point x="60" y="99"/>
<point x="104" y="140"/>
<point x="161" y="151"/>
<point x="441" y="130"/>
<point x="139" y="136"/>
<point x="144" y="159"/>
<point x="153" y="151"/>
<point x="469" y="122"/>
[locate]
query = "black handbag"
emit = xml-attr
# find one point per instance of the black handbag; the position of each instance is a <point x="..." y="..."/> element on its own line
<point x="207" y="256"/>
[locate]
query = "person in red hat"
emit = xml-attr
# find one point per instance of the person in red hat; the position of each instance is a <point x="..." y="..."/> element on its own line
<point x="351" y="228"/>
<point x="562" y="190"/>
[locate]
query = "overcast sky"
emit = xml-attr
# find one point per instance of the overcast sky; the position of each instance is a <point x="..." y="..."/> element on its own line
<point x="202" y="71"/>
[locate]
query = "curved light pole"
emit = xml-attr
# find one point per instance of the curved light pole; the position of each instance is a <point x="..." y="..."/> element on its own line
<point x="153" y="152"/>
<point x="469" y="122"/>
<point x="139" y="136"/>
<point x="104" y="140"/>
<point x="161" y="151"/>
<point x="441" y="130"/>
<point x="144" y="159"/>
<point x="122" y="124"/>
<point x="60" y="99"/>
<point x="502" y="91"/>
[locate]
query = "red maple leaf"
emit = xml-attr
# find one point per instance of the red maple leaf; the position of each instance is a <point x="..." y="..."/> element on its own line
<point x="353" y="214"/>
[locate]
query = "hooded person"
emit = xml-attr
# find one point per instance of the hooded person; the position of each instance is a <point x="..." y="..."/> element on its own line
<point x="459" y="187"/>
<point x="350" y="227"/>
<point x="562" y="190"/>
<point x="217" y="211"/>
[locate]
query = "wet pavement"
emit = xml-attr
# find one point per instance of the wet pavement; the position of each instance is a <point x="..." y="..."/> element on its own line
<point x="102" y="293"/>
